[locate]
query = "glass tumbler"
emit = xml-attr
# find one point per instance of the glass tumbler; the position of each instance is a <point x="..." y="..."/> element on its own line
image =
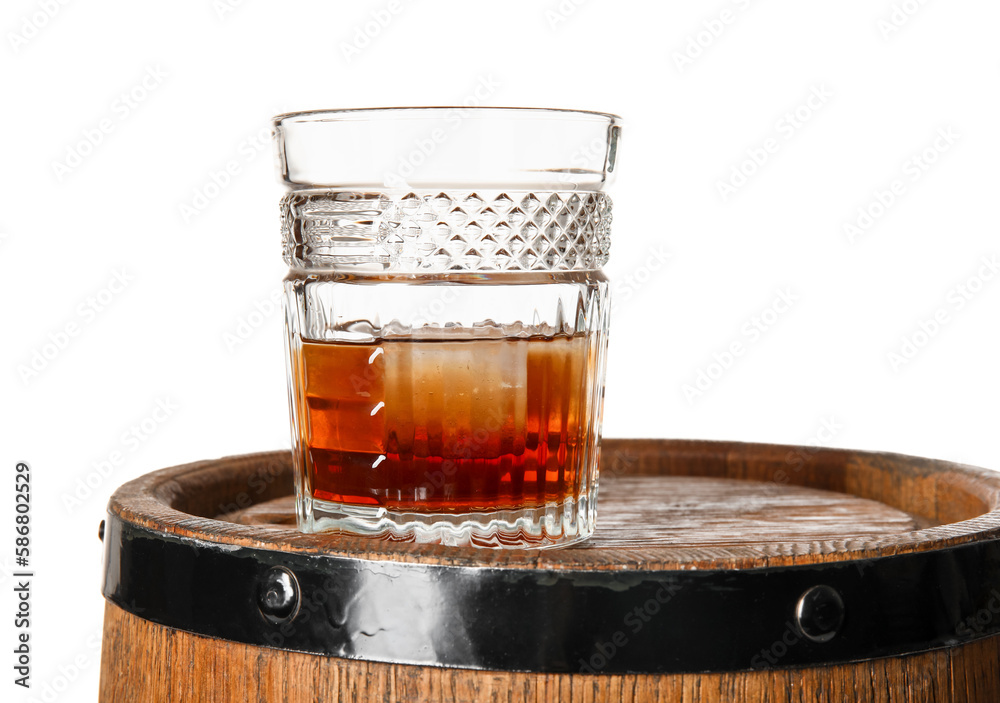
<point x="447" y="320"/>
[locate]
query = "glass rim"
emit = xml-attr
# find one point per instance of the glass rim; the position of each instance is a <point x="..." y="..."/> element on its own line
<point x="439" y="111"/>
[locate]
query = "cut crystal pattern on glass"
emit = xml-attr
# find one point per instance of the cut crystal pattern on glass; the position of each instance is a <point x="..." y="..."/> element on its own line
<point x="448" y="231"/>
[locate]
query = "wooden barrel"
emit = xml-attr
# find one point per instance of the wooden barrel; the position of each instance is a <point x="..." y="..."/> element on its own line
<point x="718" y="572"/>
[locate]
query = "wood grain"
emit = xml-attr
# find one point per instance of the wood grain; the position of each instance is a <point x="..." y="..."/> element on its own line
<point x="951" y="504"/>
<point x="146" y="663"/>
<point x="665" y="504"/>
<point x="686" y="511"/>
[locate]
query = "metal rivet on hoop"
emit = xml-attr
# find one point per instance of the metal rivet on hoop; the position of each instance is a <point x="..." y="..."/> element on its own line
<point x="278" y="595"/>
<point x="819" y="613"/>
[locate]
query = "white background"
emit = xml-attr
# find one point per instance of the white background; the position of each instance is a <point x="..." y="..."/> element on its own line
<point x="694" y="103"/>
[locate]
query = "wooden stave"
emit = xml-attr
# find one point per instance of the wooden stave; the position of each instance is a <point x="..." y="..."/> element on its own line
<point x="144" y="662"/>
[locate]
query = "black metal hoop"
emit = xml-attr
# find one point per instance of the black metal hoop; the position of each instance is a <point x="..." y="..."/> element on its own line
<point x="552" y="621"/>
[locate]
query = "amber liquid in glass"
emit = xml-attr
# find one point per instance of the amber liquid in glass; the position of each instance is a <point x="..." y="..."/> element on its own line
<point x="447" y="426"/>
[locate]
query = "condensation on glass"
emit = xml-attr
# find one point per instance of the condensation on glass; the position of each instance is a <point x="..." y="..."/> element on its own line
<point x="447" y="320"/>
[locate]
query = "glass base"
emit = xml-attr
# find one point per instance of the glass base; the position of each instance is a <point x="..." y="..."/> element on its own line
<point x="556" y="525"/>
